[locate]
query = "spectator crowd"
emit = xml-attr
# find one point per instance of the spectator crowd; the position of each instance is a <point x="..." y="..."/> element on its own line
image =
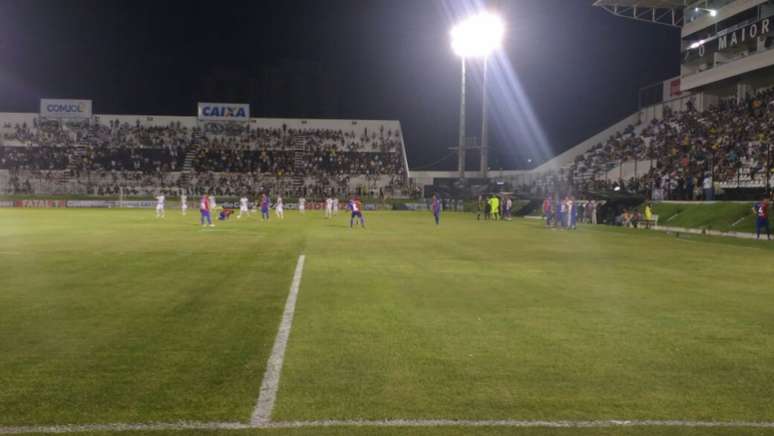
<point x="687" y="154"/>
<point x="229" y="159"/>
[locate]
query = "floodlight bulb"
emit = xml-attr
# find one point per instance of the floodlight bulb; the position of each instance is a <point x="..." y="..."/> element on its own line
<point x="478" y="36"/>
<point x="713" y="13"/>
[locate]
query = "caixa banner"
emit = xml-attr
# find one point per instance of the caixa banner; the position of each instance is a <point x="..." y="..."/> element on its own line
<point x="224" y="112"/>
<point x="58" y="108"/>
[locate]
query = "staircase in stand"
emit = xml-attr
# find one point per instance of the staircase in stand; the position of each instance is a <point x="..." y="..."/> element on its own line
<point x="185" y="175"/>
<point x="76" y="157"/>
<point x="300" y="157"/>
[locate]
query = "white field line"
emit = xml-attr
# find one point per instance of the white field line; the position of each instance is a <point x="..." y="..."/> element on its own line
<point x="205" y="426"/>
<point x="270" y="383"/>
<point x="738" y="221"/>
<point x="119" y="427"/>
<point x="516" y="423"/>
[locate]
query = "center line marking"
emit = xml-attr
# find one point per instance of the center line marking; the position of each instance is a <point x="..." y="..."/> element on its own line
<point x="270" y="384"/>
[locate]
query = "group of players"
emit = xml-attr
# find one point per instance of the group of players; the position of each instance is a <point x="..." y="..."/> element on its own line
<point x="494" y="208"/>
<point x="208" y="205"/>
<point x="561" y="212"/>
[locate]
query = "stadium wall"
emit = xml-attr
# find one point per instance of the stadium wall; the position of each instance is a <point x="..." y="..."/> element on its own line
<point x="734" y="42"/>
<point x="422" y="178"/>
<point x="629" y="169"/>
<point x="723" y="13"/>
<point x="726" y="71"/>
<point x="190" y="121"/>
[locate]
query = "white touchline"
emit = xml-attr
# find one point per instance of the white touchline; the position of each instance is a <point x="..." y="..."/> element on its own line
<point x="515" y="423"/>
<point x="188" y="425"/>
<point x="270" y="383"/>
<point x="115" y="427"/>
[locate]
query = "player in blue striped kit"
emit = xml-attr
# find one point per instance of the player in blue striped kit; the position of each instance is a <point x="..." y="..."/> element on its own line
<point x="436" y="208"/>
<point x="265" y="204"/>
<point x="357" y="212"/>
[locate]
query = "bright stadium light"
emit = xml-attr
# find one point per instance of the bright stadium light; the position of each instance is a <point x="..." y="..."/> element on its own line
<point x="696" y="44"/>
<point x="711" y="12"/>
<point x="478" y="36"/>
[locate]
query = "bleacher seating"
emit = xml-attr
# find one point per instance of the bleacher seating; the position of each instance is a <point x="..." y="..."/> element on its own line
<point x="144" y="155"/>
<point x="728" y="143"/>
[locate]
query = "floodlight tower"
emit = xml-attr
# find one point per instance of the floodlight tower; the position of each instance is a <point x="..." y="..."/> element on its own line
<point x="476" y="37"/>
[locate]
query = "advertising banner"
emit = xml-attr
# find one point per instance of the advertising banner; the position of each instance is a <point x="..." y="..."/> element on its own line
<point x="138" y="204"/>
<point x="59" y="108"/>
<point x="223" y="112"/>
<point x="89" y="203"/>
<point x="747" y="35"/>
<point x="410" y="206"/>
<point x="672" y="89"/>
<point x="42" y="204"/>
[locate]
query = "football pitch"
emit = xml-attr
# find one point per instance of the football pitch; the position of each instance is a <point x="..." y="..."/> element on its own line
<point x="470" y="327"/>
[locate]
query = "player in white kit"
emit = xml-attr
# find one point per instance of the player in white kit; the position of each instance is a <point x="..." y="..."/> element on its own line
<point x="279" y="208"/>
<point x="242" y="207"/>
<point x="335" y="202"/>
<point x="302" y="205"/>
<point x="160" y="206"/>
<point x="184" y="204"/>
<point x="328" y="207"/>
<point x="213" y="204"/>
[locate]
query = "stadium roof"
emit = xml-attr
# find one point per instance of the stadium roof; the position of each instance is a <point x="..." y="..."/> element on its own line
<point x="666" y="12"/>
<point x="657" y="4"/>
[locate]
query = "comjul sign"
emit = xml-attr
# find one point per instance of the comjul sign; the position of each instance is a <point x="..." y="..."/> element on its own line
<point x="58" y="108"/>
<point x="223" y="112"/>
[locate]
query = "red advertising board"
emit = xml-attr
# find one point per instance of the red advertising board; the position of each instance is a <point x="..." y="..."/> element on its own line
<point x="674" y="88"/>
<point x="40" y="203"/>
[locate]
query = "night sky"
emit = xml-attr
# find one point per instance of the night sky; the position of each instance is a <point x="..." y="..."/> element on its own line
<point x="579" y="67"/>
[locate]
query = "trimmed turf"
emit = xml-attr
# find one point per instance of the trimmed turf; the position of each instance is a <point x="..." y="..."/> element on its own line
<point x="468" y="431"/>
<point x="111" y="315"/>
<point x="724" y="217"/>
<point x="510" y="320"/>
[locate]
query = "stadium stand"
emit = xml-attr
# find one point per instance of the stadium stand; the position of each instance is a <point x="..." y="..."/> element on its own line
<point x="138" y="155"/>
<point x="729" y="144"/>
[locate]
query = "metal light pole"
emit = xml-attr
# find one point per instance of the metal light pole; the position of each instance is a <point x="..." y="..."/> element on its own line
<point x="476" y="37"/>
<point x="461" y="150"/>
<point x="484" y="127"/>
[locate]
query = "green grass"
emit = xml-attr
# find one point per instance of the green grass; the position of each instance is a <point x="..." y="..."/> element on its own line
<point x="489" y="321"/>
<point x="724" y="217"/>
<point x="468" y="431"/>
<point x="113" y="316"/>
